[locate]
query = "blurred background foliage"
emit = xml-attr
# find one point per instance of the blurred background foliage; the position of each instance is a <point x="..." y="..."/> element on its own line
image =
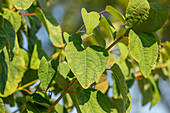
<point x="71" y="18"/>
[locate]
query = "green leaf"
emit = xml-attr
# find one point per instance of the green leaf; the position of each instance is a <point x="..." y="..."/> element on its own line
<point x="102" y="85"/>
<point x="1" y="6"/>
<point x="115" y="13"/>
<point x="87" y="65"/>
<point x="10" y="34"/>
<point x="92" y="101"/>
<point x="136" y="12"/>
<point x="37" y="54"/>
<point x="60" y="108"/>
<point x="143" y="48"/>
<point x="168" y="63"/>
<point x="99" y="38"/>
<point x="156" y="97"/>
<point x="107" y="30"/>
<point x="117" y="105"/>
<point x="2" y="108"/>
<point x="13" y="17"/>
<point x="23" y="4"/>
<point x="120" y="81"/>
<point x="45" y="73"/>
<point x="14" y="72"/>
<point x="66" y="37"/>
<point x="158" y="14"/>
<point x="91" y="20"/>
<point x="51" y="25"/>
<point x="64" y="69"/>
<point x="2" y="34"/>
<point x="123" y="52"/>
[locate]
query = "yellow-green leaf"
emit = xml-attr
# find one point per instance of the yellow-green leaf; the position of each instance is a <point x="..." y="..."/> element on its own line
<point x="23" y="4"/>
<point x="143" y="48"/>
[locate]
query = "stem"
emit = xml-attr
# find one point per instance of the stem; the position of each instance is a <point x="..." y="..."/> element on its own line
<point x="115" y="42"/>
<point x="55" y="55"/>
<point x="61" y="96"/>
<point x="102" y="12"/>
<point x="80" y="29"/>
<point x="37" y="87"/>
<point x="26" y="85"/>
<point x="30" y="14"/>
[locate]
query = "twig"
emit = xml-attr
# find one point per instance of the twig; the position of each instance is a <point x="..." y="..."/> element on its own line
<point x="30" y="14"/>
<point x="61" y="96"/>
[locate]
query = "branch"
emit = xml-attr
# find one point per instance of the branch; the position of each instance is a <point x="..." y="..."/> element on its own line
<point x="30" y="14"/>
<point x="61" y="96"/>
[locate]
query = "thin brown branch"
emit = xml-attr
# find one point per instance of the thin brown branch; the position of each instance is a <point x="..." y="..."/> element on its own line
<point x="61" y="96"/>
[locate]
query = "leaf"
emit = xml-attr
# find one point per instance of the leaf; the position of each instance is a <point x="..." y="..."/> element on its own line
<point x="2" y="34"/>
<point x="87" y="65"/>
<point x="13" y="17"/>
<point x="102" y="85"/>
<point x="91" y="20"/>
<point x="123" y="52"/>
<point x="10" y="35"/>
<point x="145" y="88"/>
<point x="60" y="108"/>
<point x="120" y="81"/>
<point x="156" y="97"/>
<point x="52" y="27"/>
<point x="64" y="69"/>
<point x="143" y="48"/>
<point x="168" y="63"/>
<point x="99" y="38"/>
<point x="37" y="54"/>
<point x="2" y="108"/>
<point x="136" y="12"/>
<point x="13" y="75"/>
<point x="45" y="73"/>
<point x="158" y="14"/>
<point x="23" y="4"/>
<point x="66" y="37"/>
<point x="107" y="30"/>
<point x="93" y="101"/>
<point x="115" y="13"/>
<point x="117" y="105"/>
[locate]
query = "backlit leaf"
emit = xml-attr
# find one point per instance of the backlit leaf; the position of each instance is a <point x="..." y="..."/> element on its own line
<point x="13" y="71"/>
<point x="13" y="17"/>
<point x="64" y="69"/>
<point x="91" y="20"/>
<point x="37" y="54"/>
<point x="87" y="65"/>
<point x="92" y="101"/>
<point x="143" y="48"/>
<point x="51" y="25"/>
<point x="23" y="4"/>
<point x="2" y="34"/>
<point x="115" y="13"/>
<point x="2" y="108"/>
<point x="45" y="73"/>
<point x="136" y="12"/>
<point x="157" y="16"/>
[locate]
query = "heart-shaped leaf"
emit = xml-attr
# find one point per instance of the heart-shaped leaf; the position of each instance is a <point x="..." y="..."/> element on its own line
<point x="143" y="48"/>
<point x="91" y="20"/>
<point x="92" y="101"/>
<point x="87" y="65"/>
<point x="45" y="73"/>
<point x="23" y="4"/>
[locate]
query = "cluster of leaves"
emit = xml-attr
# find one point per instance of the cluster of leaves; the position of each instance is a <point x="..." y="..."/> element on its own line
<point x="77" y="69"/>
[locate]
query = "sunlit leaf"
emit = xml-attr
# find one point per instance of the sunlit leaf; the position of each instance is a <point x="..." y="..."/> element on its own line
<point x="115" y="13"/>
<point x="91" y="20"/>
<point x="93" y="101"/>
<point x="23" y="4"/>
<point x="37" y="54"/>
<point x="143" y="48"/>
<point x="2" y="108"/>
<point x="13" y="17"/>
<point x="45" y="73"/>
<point x="87" y="65"/>
<point x="51" y="25"/>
